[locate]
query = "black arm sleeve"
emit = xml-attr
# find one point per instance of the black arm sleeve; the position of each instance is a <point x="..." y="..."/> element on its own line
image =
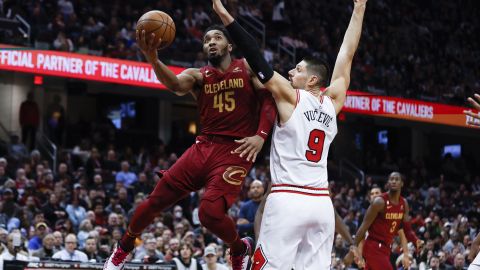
<point x="249" y="47"/>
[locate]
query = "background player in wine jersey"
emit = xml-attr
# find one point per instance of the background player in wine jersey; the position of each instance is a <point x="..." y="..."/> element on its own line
<point x="298" y="222"/>
<point x="386" y="214"/>
<point x="229" y="102"/>
<point x="377" y="192"/>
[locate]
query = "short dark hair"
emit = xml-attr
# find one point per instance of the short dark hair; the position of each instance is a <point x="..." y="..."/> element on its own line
<point x="319" y="67"/>
<point x="220" y="28"/>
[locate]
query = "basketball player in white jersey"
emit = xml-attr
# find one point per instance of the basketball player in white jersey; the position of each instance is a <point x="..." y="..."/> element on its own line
<point x="298" y="225"/>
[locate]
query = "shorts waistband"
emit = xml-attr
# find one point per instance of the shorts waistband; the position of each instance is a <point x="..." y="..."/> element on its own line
<point x="369" y="238"/>
<point x="303" y="190"/>
<point x="217" y="138"/>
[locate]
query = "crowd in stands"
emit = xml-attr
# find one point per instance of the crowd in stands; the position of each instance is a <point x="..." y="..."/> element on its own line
<point x="81" y="209"/>
<point x="426" y="50"/>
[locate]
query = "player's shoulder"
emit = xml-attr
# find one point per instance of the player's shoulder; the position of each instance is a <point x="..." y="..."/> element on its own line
<point x="379" y="202"/>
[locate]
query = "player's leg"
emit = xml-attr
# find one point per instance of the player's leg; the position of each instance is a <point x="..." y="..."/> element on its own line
<point x="376" y="255"/>
<point x="315" y="249"/>
<point x="224" y="180"/>
<point x="163" y="196"/>
<point x="175" y="184"/>
<point x="281" y="232"/>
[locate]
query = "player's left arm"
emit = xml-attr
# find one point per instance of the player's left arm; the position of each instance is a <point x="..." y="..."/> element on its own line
<point x="340" y="81"/>
<point x="251" y="146"/>
<point x="372" y="211"/>
<point x="407" y="228"/>
<point x="404" y="245"/>
<point x="282" y="91"/>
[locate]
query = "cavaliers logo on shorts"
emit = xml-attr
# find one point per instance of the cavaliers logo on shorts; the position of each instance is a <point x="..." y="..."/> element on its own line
<point x="234" y="175"/>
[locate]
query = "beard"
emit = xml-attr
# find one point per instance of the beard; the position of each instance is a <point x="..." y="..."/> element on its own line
<point x="215" y="59"/>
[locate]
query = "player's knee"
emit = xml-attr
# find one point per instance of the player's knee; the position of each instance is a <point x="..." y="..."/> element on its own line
<point x="208" y="213"/>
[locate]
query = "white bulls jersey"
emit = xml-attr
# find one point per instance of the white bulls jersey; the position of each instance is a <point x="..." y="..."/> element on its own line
<point x="300" y="146"/>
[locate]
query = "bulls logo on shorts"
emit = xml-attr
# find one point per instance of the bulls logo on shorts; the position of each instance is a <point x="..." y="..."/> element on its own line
<point x="234" y="175"/>
<point x="259" y="260"/>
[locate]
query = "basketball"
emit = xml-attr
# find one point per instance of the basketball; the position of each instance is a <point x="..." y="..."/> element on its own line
<point x="161" y="24"/>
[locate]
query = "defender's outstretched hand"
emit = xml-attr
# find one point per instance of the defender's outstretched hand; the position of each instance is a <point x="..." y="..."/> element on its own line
<point x="222" y="12"/>
<point x="475" y="102"/>
<point x="359" y="2"/>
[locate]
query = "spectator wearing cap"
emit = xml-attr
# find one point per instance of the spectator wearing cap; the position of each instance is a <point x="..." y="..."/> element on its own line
<point x="35" y="243"/>
<point x="210" y="257"/>
<point x="248" y="210"/>
<point x="13" y="252"/>
<point x="186" y="261"/>
<point x="70" y="253"/>
<point x="48" y="248"/>
<point x="53" y="211"/>
<point x="125" y="176"/>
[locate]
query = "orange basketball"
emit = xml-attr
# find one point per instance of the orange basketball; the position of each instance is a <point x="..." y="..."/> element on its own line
<point x="161" y="24"/>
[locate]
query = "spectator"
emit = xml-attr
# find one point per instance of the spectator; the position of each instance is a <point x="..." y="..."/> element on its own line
<point x="53" y="211"/>
<point x="210" y="256"/>
<point x="13" y="251"/>
<point x="36" y="241"/>
<point x="58" y="240"/>
<point x="186" y="261"/>
<point x="91" y="249"/>
<point x="249" y="209"/>
<point x="76" y="212"/>
<point x="434" y="263"/>
<point x="70" y="253"/>
<point x="29" y="120"/>
<point x="55" y="122"/>
<point x="48" y="249"/>
<point x="63" y="43"/>
<point x="150" y="254"/>
<point x="459" y="262"/>
<point x="125" y="176"/>
<point x="84" y="231"/>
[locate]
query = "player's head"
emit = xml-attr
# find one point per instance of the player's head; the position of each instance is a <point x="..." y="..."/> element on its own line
<point x="395" y="181"/>
<point x="375" y="192"/>
<point x="309" y="73"/>
<point x="216" y="43"/>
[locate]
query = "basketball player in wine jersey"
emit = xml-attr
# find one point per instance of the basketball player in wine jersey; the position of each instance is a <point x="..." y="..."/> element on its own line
<point x="298" y="224"/>
<point x="385" y="216"/>
<point x="230" y="100"/>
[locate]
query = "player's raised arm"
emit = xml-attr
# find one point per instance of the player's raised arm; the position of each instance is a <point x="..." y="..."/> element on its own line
<point x="274" y="82"/>
<point x="343" y="65"/>
<point x="372" y="212"/>
<point x="181" y="84"/>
